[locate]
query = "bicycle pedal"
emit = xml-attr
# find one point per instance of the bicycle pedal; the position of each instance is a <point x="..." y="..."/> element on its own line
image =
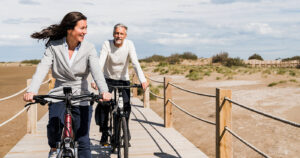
<point x="105" y="144"/>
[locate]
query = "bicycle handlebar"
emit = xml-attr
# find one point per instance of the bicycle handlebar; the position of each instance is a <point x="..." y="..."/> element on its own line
<point x="123" y="87"/>
<point x="41" y="99"/>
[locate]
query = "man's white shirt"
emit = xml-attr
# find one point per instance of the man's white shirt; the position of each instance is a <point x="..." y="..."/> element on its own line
<point x="114" y="61"/>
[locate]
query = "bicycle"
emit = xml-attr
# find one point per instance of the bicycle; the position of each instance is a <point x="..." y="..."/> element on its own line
<point x="67" y="147"/>
<point x="118" y="130"/>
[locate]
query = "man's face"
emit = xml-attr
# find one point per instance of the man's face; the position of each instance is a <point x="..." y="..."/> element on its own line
<point x="119" y="35"/>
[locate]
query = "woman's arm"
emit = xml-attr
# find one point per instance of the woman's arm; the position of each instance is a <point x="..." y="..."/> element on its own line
<point x="41" y="71"/>
<point x="39" y="75"/>
<point x="96" y="72"/>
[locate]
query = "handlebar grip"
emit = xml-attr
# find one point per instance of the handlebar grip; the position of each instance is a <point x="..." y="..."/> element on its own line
<point x="137" y="85"/>
<point x="40" y="100"/>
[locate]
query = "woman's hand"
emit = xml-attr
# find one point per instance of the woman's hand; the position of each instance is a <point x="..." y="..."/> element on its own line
<point x="93" y="85"/>
<point x="145" y="85"/>
<point x="106" y="96"/>
<point x="28" y="97"/>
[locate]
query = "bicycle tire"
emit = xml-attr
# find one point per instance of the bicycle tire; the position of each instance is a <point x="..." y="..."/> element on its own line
<point x="59" y="155"/>
<point x="123" y="139"/>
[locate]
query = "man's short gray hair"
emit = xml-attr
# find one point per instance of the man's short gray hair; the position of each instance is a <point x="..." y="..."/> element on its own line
<point x="120" y="25"/>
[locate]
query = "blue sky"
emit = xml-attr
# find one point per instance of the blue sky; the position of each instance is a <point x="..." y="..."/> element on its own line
<point x="270" y="28"/>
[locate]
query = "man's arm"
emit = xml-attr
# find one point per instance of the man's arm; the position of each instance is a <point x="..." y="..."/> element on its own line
<point x="136" y="65"/>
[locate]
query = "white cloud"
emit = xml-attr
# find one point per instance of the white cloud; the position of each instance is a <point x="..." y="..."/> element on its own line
<point x="185" y="39"/>
<point x="261" y="28"/>
<point x="214" y="24"/>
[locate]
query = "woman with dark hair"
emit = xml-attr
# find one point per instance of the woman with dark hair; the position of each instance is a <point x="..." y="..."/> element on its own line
<point x="71" y="59"/>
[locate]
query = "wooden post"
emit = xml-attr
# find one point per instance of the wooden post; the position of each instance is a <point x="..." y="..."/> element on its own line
<point x="51" y="82"/>
<point x="223" y="118"/>
<point x="167" y="104"/>
<point x="147" y="95"/>
<point x="134" y="81"/>
<point x="31" y="116"/>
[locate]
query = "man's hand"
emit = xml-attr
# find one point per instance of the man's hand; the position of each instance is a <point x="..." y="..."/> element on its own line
<point x="93" y="85"/>
<point x="145" y="85"/>
<point x="28" y="97"/>
<point x="106" y="96"/>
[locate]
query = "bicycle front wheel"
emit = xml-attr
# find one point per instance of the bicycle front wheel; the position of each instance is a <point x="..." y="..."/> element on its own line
<point x="123" y="139"/>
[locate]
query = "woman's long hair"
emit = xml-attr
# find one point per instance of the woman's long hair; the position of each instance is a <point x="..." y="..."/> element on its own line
<point x="58" y="31"/>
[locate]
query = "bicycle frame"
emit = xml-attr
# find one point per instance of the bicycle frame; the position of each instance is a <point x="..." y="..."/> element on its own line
<point x="118" y="128"/>
<point x="67" y="147"/>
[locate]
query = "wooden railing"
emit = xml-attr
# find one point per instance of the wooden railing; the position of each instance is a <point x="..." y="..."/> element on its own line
<point x="272" y="63"/>
<point x="223" y="116"/>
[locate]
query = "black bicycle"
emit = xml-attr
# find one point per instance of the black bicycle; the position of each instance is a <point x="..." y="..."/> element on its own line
<point x="118" y="129"/>
<point x="67" y="147"/>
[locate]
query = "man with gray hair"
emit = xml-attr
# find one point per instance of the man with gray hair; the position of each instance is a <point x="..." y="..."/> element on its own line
<point x="114" y="62"/>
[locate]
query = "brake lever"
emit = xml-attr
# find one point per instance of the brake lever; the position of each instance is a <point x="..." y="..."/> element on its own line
<point x="28" y="104"/>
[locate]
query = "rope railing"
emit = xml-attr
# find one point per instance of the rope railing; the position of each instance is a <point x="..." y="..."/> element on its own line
<point x="156" y="95"/>
<point x="5" y="98"/>
<point x="154" y="80"/>
<point x="264" y="114"/>
<point x="246" y="143"/>
<point x="206" y="95"/>
<point x="223" y="116"/>
<point x="185" y="111"/>
<point x="16" y="115"/>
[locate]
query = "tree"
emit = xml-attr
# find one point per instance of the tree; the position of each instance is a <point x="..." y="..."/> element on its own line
<point x="255" y="56"/>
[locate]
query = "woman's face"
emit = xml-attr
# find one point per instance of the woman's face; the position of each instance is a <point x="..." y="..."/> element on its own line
<point x="79" y="31"/>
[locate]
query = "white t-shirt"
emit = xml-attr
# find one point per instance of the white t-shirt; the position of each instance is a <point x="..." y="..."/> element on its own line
<point x="114" y="61"/>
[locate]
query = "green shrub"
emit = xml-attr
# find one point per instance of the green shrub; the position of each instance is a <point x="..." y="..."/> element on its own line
<point x="292" y="58"/>
<point x="281" y="71"/>
<point x="156" y="69"/>
<point x="220" y="58"/>
<point x="163" y="64"/>
<point x="255" y="56"/>
<point x="194" y="75"/>
<point x="234" y="62"/>
<point x="293" y="80"/>
<point x="153" y="58"/>
<point x="189" y="56"/>
<point x="282" y="81"/>
<point x="34" y="61"/>
<point x="154" y="90"/>
<point x="174" y="59"/>
<point x="267" y="71"/>
<point x="207" y="73"/>
<point x="163" y="71"/>
<point x="292" y="73"/>
<point x="272" y="84"/>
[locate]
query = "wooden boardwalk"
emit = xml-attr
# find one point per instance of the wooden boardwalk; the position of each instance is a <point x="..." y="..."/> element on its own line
<point x="148" y="139"/>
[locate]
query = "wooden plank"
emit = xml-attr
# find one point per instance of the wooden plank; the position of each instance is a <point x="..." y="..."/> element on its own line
<point x="149" y="139"/>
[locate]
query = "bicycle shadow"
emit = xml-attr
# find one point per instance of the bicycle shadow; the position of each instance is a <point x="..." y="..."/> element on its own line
<point x="154" y="126"/>
<point x="164" y="155"/>
<point x="99" y="151"/>
<point x="139" y="106"/>
<point x="148" y="122"/>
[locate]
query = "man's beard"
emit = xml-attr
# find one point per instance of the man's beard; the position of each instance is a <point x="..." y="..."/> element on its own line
<point x="118" y="41"/>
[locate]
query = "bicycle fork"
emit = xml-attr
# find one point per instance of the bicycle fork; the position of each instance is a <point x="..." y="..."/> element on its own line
<point x="68" y="147"/>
